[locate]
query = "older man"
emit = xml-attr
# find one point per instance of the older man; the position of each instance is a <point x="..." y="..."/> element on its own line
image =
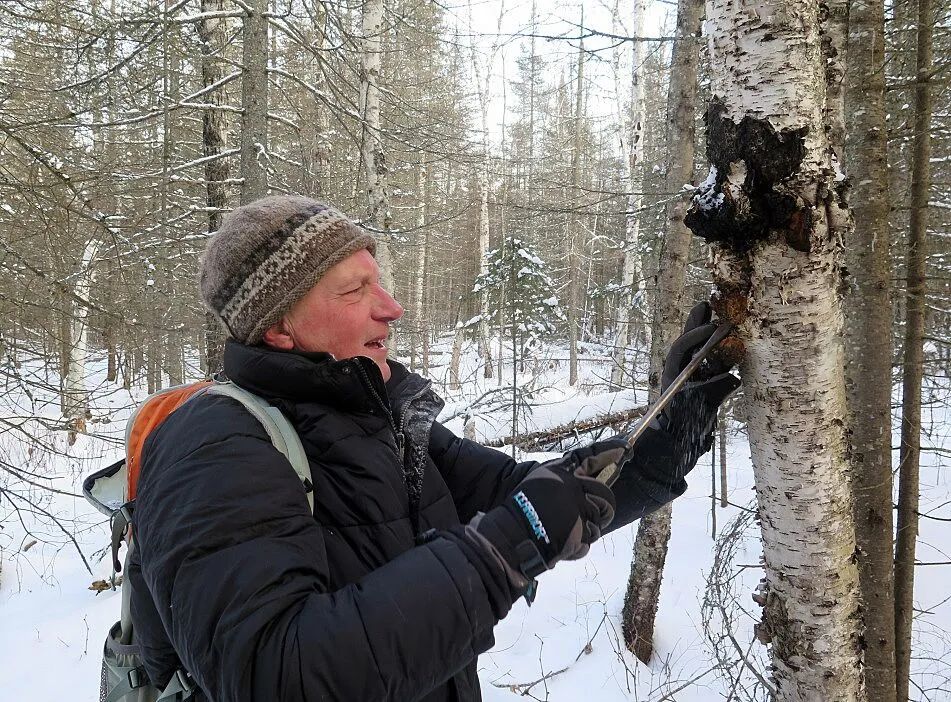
<point x="419" y="542"/>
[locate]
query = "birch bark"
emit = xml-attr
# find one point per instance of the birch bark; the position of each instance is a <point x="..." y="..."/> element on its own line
<point x="653" y="532"/>
<point x="868" y="322"/>
<point x="76" y="395"/>
<point x="774" y="206"/>
<point x="633" y="144"/>
<point x="422" y="233"/>
<point x="575" y="227"/>
<point x="372" y="153"/>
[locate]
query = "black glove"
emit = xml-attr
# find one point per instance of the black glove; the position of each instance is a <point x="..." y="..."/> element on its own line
<point x="650" y="478"/>
<point x="690" y="418"/>
<point x="555" y="514"/>
<point x="670" y="446"/>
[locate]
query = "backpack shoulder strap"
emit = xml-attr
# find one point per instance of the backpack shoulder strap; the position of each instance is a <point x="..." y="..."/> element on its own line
<point x="279" y="429"/>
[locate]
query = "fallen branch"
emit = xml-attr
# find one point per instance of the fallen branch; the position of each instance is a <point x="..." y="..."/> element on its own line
<point x="536" y="440"/>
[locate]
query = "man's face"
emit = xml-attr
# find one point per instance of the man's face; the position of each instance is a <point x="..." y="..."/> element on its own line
<point x="346" y="314"/>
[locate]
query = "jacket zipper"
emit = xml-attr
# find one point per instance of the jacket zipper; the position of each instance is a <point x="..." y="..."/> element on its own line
<point x="398" y="435"/>
<point x="405" y="405"/>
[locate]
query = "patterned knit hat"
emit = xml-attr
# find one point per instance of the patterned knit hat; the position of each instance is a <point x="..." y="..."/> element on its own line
<point x="267" y="255"/>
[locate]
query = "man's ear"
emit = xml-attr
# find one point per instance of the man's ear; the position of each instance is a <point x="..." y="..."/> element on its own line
<point x="278" y="336"/>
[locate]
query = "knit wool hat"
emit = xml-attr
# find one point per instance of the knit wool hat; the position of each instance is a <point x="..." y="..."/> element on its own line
<point x="267" y="255"/>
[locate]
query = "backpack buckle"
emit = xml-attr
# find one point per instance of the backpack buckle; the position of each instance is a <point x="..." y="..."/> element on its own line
<point x="121" y="519"/>
<point x="185" y="680"/>
<point x="137" y="677"/>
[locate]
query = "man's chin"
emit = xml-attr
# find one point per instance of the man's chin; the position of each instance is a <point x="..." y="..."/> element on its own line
<point x="378" y="356"/>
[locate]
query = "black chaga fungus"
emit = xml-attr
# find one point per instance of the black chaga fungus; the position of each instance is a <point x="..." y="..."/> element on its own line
<point x="769" y="157"/>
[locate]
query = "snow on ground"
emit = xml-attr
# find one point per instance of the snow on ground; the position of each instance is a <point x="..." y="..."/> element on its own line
<point x="53" y="625"/>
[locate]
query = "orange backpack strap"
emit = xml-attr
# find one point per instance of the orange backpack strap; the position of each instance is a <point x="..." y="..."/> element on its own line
<point x="147" y="418"/>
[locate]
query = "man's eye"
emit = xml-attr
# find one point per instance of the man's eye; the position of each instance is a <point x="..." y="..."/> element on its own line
<point x="355" y="290"/>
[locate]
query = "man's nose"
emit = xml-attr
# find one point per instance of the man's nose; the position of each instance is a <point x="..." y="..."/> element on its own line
<point x="387" y="309"/>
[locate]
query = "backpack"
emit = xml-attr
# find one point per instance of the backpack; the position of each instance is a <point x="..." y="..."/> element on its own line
<point x="112" y="491"/>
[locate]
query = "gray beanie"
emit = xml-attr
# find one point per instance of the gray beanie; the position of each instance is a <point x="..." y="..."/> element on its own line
<point x="267" y="255"/>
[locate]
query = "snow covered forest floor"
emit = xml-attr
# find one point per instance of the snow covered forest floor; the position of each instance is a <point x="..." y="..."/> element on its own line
<point x="567" y="646"/>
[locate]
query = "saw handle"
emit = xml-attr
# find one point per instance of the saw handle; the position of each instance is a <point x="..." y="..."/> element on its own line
<point x="610" y="474"/>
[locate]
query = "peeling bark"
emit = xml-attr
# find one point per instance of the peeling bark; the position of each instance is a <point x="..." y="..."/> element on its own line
<point x="774" y="206"/>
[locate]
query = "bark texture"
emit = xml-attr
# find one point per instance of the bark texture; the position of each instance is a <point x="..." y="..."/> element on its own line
<point x="913" y="346"/>
<point x="868" y="333"/>
<point x="212" y="35"/>
<point x="774" y="206"/>
<point x="76" y="395"/>
<point x="372" y="153"/>
<point x="576" y="226"/>
<point x="653" y="533"/>
<point x="633" y="143"/>
<point x="254" y="103"/>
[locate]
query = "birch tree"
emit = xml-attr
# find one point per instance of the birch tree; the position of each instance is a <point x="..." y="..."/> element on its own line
<point x="633" y="145"/>
<point x="774" y="206"/>
<point x="483" y="80"/>
<point x="868" y="322"/>
<point x="575" y="226"/>
<point x="653" y="533"/>
<point x="371" y="141"/>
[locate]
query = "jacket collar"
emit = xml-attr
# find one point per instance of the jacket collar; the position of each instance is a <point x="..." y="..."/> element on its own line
<point x="301" y="376"/>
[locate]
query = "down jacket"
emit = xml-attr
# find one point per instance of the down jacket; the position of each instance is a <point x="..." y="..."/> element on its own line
<point x="376" y="596"/>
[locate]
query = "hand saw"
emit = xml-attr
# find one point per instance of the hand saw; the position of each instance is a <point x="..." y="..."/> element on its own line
<point x="611" y="472"/>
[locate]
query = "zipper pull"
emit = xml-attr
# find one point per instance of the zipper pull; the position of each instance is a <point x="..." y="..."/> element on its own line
<point x="400" y="442"/>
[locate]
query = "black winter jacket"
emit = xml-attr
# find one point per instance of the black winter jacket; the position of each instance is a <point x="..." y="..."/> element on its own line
<point x="235" y="581"/>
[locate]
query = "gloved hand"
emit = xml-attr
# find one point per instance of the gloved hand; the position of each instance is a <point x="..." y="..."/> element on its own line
<point x="691" y="415"/>
<point x="671" y="445"/>
<point x="555" y="514"/>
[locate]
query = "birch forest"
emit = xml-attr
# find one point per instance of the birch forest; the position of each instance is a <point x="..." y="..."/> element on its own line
<point x="552" y="186"/>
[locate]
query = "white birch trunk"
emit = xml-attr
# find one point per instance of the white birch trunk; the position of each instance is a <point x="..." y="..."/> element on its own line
<point x="775" y="206"/>
<point x="483" y="82"/>
<point x="76" y="394"/>
<point x="422" y="233"/>
<point x="371" y="149"/>
<point x="575" y="226"/>
<point x="633" y="145"/>
<point x="484" y="333"/>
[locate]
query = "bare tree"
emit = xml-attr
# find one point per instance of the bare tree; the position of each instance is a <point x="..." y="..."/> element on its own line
<point x="868" y="322"/>
<point x="211" y="32"/>
<point x="575" y="225"/>
<point x="913" y="348"/>
<point x="653" y="533"/>
<point x="633" y="143"/>
<point x="254" y="102"/>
